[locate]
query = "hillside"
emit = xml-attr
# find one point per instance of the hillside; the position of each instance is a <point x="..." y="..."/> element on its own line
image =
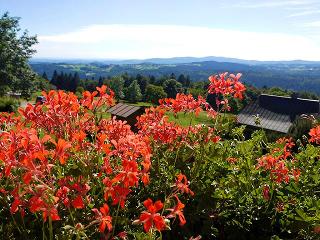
<point x="297" y="75"/>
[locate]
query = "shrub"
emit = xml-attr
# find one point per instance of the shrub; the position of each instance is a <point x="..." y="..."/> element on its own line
<point x="8" y="104"/>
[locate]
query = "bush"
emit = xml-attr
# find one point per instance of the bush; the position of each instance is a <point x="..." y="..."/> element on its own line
<point x="300" y="127"/>
<point x="8" y="104"/>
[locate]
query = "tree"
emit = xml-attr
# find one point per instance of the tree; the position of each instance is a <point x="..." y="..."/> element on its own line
<point x="116" y="84"/>
<point x="188" y="81"/>
<point x="134" y="92"/>
<point x="45" y="76"/>
<point x="152" y="79"/>
<point x="54" y="79"/>
<point x="172" y="87"/>
<point x="143" y="83"/>
<point x="100" y="82"/>
<point x="182" y="79"/>
<point x="75" y="81"/>
<point x="155" y="93"/>
<point x="15" y="51"/>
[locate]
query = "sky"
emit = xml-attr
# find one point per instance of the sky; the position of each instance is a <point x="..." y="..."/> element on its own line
<point x="140" y="29"/>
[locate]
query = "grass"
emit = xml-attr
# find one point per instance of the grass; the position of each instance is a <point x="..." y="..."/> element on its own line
<point x="140" y="104"/>
<point x="184" y="119"/>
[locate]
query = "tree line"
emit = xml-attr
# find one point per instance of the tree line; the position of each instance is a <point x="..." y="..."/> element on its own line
<point x="126" y="87"/>
<point x="150" y="89"/>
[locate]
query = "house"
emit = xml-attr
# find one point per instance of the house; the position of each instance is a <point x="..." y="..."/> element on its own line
<point x="126" y="112"/>
<point x="276" y="113"/>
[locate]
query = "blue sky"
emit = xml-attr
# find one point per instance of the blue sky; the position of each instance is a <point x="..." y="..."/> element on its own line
<point x="124" y="29"/>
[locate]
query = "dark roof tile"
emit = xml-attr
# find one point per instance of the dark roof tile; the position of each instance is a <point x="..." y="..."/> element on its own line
<point x="123" y="110"/>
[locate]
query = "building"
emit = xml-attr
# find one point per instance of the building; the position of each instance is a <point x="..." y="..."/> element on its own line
<point x="276" y="113"/>
<point x="126" y="112"/>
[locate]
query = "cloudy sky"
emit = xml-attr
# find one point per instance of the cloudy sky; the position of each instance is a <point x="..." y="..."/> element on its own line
<point x="126" y="29"/>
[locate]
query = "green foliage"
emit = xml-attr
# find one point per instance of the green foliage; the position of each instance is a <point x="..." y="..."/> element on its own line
<point x="154" y="93"/>
<point x="184" y="119"/>
<point x="15" y="51"/>
<point x="195" y="92"/>
<point x="229" y="202"/>
<point x="8" y="104"/>
<point x="69" y="82"/>
<point x="117" y="85"/>
<point x="300" y="127"/>
<point x="172" y="87"/>
<point x="133" y="93"/>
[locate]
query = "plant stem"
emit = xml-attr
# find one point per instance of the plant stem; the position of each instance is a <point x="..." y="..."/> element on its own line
<point x="50" y="229"/>
<point x="116" y="218"/>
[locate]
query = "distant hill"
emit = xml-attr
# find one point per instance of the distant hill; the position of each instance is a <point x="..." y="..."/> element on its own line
<point x="174" y="60"/>
<point x="294" y="75"/>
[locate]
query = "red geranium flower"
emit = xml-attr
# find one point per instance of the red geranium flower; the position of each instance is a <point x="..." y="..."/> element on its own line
<point x="151" y="218"/>
<point x="182" y="184"/>
<point x="103" y="217"/>
<point x="177" y="211"/>
<point x="315" y="135"/>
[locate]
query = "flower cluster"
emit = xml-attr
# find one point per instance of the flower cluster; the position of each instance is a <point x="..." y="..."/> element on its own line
<point x="315" y="135"/>
<point x="280" y="163"/>
<point x="152" y="219"/>
<point x="185" y="103"/>
<point x="226" y="85"/>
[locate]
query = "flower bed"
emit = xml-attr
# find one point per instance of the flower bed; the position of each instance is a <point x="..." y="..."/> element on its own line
<point x="68" y="173"/>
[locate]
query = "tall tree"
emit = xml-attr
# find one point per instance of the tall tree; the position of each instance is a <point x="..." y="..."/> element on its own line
<point x="155" y="93"/>
<point x="45" y="76"/>
<point x="143" y="83"/>
<point x="116" y="84"/>
<point x="15" y="51"/>
<point x="134" y="92"/>
<point x="54" y="79"/>
<point x="100" y="82"/>
<point x="182" y="79"/>
<point x="188" y="81"/>
<point x="172" y="87"/>
<point x="172" y="76"/>
<point x="75" y="81"/>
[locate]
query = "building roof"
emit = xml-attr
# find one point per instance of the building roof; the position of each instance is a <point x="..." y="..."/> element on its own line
<point x="276" y="113"/>
<point x="124" y="110"/>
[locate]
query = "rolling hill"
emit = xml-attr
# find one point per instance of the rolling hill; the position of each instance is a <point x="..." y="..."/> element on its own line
<point x="294" y="75"/>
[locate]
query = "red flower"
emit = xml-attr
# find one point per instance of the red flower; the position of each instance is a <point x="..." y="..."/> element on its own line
<point x="182" y="184"/>
<point x="129" y="174"/>
<point x="266" y="192"/>
<point x="103" y="217"/>
<point x="317" y="229"/>
<point x="52" y="213"/>
<point x="177" y="211"/>
<point x="232" y="160"/>
<point x="151" y="218"/>
<point x="315" y="135"/>
<point x="78" y="203"/>
<point x="226" y="85"/>
<point x="61" y="148"/>
<point x="296" y="174"/>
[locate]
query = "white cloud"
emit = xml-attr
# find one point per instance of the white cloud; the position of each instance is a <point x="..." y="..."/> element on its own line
<point x="272" y="4"/>
<point x="146" y="41"/>
<point x="312" y="24"/>
<point x="304" y="13"/>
